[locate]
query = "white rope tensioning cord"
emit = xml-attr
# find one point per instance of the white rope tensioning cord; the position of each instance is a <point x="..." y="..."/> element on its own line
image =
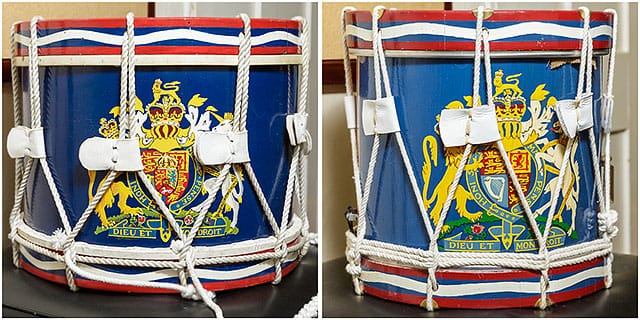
<point x="607" y="219"/>
<point x="23" y="166"/>
<point x="183" y="246"/>
<point x="432" y="258"/>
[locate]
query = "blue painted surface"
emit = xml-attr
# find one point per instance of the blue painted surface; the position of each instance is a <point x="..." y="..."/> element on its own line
<point x="74" y="99"/>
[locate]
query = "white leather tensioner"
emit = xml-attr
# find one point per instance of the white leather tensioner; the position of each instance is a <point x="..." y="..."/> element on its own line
<point x="379" y="116"/>
<point x="476" y="125"/>
<point x="350" y="111"/>
<point x="214" y="147"/>
<point x="575" y="116"/>
<point x="297" y="128"/>
<point x="607" y="117"/>
<point x="99" y="153"/>
<point x="23" y="141"/>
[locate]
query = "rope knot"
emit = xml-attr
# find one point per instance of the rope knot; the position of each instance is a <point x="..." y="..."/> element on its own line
<point x="191" y="292"/>
<point x="312" y="238"/>
<point x="184" y="253"/>
<point x="434" y="262"/>
<point x="607" y="222"/>
<point x="177" y="246"/>
<point x="546" y="262"/>
<point x="352" y="254"/>
<point x="14" y="222"/>
<point x="353" y="268"/>
<point x="69" y="248"/>
<point x="543" y="303"/>
<point x="431" y="269"/>
<point x="59" y="239"/>
<point x="281" y="250"/>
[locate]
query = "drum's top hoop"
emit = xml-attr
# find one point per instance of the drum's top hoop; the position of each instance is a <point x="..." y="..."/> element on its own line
<point x="144" y="22"/>
<point x="160" y="36"/>
<point x="548" y="54"/>
<point x="454" y="30"/>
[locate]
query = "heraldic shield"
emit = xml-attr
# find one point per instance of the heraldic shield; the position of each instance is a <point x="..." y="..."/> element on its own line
<point x="534" y="147"/>
<point x="167" y="157"/>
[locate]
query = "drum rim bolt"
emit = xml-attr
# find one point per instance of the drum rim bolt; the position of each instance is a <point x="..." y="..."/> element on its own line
<point x="486" y="13"/>
<point x="582" y="11"/>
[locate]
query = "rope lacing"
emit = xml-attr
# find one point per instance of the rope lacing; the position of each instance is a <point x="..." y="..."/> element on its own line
<point x="432" y="258"/>
<point x="63" y="239"/>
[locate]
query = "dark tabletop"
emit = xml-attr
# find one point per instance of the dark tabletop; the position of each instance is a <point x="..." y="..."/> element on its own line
<point x="25" y="295"/>
<point x="621" y="300"/>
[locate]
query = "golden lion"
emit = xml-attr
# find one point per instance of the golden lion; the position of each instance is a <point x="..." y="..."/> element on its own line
<point x="169" y="88"/>
<point x="115" y="189"/>
<point x="510" y="88"/>
<point x="439" y="196"/>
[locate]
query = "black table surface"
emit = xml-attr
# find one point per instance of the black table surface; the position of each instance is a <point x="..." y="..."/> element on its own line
<point x="621" y="300"/>
<point x="25" y="295"/>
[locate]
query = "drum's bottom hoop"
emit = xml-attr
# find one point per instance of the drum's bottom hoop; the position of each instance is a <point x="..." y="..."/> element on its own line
<point x="39" y="257"/>
<point x="481" y="288"/>
<point x="213" y="278"/>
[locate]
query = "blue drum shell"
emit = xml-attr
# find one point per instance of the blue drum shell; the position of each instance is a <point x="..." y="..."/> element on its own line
<point x="422" y="88"/>
<point x="74" y="101"/>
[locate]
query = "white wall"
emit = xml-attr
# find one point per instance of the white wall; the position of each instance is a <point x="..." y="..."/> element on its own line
<point x="337" y="171"/>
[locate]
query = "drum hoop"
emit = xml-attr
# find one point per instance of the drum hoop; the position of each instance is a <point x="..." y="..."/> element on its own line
<point x="161" y="60"/>
<point x="150" y="39"/>
<point x="245" y="247"/>
<point x="469" y="54"/>
<point x="505" y="35"/>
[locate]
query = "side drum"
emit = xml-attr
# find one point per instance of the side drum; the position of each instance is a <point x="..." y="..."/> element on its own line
<point x="450" y="217"/>
<point x="159" y="154"/>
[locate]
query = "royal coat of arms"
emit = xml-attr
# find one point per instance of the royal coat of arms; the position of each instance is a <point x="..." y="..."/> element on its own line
<point x="166" y="130"/>
<point x="534" y="147"/>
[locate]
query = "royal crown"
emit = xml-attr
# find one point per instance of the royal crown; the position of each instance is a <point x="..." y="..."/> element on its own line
<point x="166" y="110"/>
<point x="166" y="107"/>
<point x="109" y="128"/>
<point x="509" y="103"/>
